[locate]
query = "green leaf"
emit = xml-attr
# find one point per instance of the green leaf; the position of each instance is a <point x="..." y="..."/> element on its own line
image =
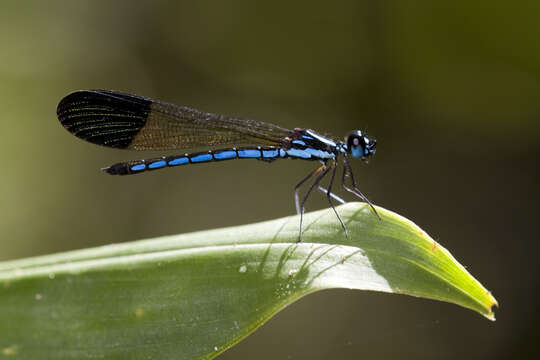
<point x="193" y="296"/>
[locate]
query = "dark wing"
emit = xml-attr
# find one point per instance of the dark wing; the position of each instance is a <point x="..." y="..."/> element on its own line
<point x="121" y="120"/>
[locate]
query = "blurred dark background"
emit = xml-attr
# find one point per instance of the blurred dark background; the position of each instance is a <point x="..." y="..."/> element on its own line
<point x="450" y="90"/>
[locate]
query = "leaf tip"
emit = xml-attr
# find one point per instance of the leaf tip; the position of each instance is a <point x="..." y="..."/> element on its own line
<point x="493" y="304"/>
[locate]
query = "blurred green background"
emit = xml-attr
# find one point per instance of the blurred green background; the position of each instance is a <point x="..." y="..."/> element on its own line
<point x="450" y="90"/>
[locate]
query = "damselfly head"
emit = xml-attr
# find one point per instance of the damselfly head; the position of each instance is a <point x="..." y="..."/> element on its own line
<point x="360" y="146"/>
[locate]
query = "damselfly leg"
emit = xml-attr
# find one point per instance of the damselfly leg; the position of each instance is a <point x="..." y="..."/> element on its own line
<point x="297" y="187"/>
<point x="332" y="195"/>
<point x="354" y="190"/>
<point x="328" y="191"/>
<point x="329" y="194"/>
<point x="319" y="174"/>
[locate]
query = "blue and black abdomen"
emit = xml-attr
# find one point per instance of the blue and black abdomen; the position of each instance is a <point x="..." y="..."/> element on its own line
<point x="264" y="153"/>
<point x="139" y="166"/>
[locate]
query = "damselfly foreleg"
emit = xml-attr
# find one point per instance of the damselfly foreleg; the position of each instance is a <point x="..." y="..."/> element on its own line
<point x="354" y="190"/>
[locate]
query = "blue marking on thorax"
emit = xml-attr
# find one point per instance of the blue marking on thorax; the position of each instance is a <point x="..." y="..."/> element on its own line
<point x="178" y="161"/>
<point x="249" y="153"/>
<point x="319" y="153"/>
<point x="227" y="154"/>
<point x="307" y="137"/>
<point x="157" y="164"/>
<point x="299" y="142"/>
<point x="298" y="153"/>
<point x="200" y="158"/>
<point x="270" y="153"/>
<point x="138" y="167"/>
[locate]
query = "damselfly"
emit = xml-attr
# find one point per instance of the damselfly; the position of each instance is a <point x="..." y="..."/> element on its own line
<point x="126" y="121"/>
